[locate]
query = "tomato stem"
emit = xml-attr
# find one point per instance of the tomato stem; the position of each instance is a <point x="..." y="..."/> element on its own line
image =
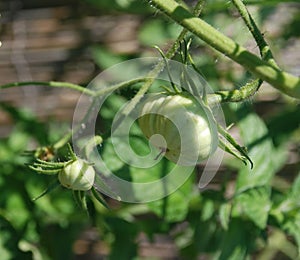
<point x="264" y="70"/>
<point x="56" y="84"/>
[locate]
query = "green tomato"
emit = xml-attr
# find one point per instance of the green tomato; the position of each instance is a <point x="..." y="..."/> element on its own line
<point x="77" y="175"/>
<point x="178" y="125"/>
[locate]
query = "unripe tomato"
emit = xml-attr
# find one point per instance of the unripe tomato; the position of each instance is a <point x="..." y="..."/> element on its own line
<point x="77" y="175"/>
<point x="187" y="129"/>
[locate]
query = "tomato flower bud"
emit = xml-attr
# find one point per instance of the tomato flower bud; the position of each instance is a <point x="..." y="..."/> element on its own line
<point x="187" y="129"/>
<point x="77" y="175"/>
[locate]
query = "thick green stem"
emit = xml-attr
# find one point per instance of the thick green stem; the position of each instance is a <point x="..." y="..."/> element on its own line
<point x="283" y="81"/>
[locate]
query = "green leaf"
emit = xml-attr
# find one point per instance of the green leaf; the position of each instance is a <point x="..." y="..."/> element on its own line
<point x="9" y="240"/>
<point x="255" y="204"/>
<point x="267" y="160"/>
<point x="18" y="140"/>
<point x="235" y="242"/>
<point x="207" y="210"/>
<point x="290" y="205"/>
<point x="4" y="251"/>
<point x="185" y="237"/>
<point x="124" y="245"/>
<point x="295" y="191"/>
<point x="207" y="235"/>
<point x="20" y="216"/>
<point x="157" y="32"/>
<point x="50" y="188"/>
<point x="105" y="58"/>
<point x="110" y="158"/>
<point x="224" y="215"/>
<point x="125" y="6"/>
<point x="26" y="124"/>
<point x="175" y="206"/>
<point x="292" y="226"/>
<point x="282" y="132"/>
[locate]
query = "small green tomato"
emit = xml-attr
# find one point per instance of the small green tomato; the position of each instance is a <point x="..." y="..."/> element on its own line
<point x="77" y="175"/>
<point x="187" y="129"/>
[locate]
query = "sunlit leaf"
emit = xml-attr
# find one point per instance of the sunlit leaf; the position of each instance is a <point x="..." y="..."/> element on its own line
<point x="224" y="215"/>
<point x="267" y="160"/>
<point x="255" y="204"/>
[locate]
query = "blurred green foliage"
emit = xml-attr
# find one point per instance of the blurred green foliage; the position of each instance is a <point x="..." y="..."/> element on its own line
<point x="235" y="220"/>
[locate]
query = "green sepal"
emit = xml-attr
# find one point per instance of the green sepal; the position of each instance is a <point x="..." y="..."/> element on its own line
<point x="45" y="167"/>
<point x="168" y="90"/>
<point x="99" y="197"/>
<point x="40" y="170"/>
<point x="240" y="153"/>
<point x="175" y="88"/>
<point x="51" y="163"/>
<point x="80" y="199"/>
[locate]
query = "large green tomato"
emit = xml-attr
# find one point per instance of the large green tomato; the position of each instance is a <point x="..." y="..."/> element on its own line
<point x="178" y="125"/>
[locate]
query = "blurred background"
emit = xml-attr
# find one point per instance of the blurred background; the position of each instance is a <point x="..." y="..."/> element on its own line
<point x="74" y="40"/>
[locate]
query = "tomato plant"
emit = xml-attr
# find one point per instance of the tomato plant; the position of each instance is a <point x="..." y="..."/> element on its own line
<point x="247" y="210"/>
